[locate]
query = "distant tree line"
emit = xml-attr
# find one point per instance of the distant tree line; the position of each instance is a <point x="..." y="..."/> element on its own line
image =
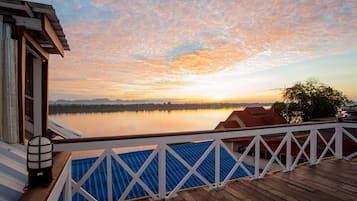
<point x="76" y="108"/>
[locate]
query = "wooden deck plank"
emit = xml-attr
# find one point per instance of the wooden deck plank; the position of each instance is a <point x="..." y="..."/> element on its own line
<point x="252" y="191"/>
<point x="331" y="180"/>
<point x="328" y="189"/>
<point x="317" y="180"/>
<point x="249" y="193"/>
<point x="261" y="185"/>
<point x="222" y="195"/>
<point x="287" y="189"/>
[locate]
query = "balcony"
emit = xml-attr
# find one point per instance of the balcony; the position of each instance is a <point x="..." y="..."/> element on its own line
<point x="306" y="155"/>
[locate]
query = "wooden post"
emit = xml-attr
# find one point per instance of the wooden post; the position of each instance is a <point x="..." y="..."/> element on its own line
<point x="313" y="147"/>
<point x="339" y="143"/>
<point x="45" y="97"/>
<point x="288" y="152"/>
<point x="257" y="157"/>
<point x="21" y="82"/>
<point x="162" y="171"/>
<point x="67" y="191"/>
<point x="109" y="175"/>
<point x="217" y="162"/>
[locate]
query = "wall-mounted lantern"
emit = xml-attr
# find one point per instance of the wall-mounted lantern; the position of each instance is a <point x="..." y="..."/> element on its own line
<point x="39" y="161"/>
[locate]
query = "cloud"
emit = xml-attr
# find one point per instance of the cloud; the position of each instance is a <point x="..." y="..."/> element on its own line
<point x="133" y="42"/>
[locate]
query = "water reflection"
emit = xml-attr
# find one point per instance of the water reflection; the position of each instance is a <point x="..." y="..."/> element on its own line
<point x="144" y="122"/>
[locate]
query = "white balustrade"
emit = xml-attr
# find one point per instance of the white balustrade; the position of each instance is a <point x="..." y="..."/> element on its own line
<point x="313" y="131"/>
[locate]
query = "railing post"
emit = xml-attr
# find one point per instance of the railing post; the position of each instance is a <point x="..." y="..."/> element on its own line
<point x="217" y="161"/>
<point x="339" y="143"/>
<point x="257" y="157"/>
<point x="109" y="174"/>
<point x="162" y="171"/>
<point x="288" y="152"/>
<point x="313" y="147"/>
<point x="67" y="192"/>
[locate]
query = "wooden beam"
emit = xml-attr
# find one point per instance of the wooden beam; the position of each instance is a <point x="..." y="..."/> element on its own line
<point x="21" y="81"/>
<point x="24" y="7"/>
<point x="45" y="98"/>
<point x="28" y="10"/>
<point x="37" y="46"/>
<point x="12" y="6"/>
<point x="47" y="27"/>
<point x="1" y="29"/>
<point x="29" y="23"/>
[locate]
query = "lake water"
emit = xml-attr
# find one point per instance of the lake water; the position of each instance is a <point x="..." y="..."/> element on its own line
<point x="143" y="122"/>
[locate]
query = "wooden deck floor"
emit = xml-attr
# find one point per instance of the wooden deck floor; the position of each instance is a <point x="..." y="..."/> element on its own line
<point x="330" y="180"/>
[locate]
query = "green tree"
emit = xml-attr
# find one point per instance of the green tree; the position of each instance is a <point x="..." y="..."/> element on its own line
<point x="279" y="107"/>
<point x="314" y="99"/>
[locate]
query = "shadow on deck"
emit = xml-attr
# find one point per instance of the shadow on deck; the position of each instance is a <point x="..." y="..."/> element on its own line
<point x="329" y="180"/>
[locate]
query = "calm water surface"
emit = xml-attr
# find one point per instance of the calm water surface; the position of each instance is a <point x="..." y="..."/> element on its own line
<point x="144" y="122"/>
<point x="127" y="123"/>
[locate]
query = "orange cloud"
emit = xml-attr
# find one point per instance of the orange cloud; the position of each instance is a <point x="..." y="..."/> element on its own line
<point x="124" y="53"/>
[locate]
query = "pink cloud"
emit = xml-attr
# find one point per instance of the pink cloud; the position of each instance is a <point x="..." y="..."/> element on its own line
<point x="233" y="32"/>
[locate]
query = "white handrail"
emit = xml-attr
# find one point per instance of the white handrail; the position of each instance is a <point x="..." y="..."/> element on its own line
<point x="313" y="135"/>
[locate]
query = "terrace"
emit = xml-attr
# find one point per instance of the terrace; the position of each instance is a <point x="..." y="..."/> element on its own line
<point x="178" y="162"/>
<point x="213" y="166"/>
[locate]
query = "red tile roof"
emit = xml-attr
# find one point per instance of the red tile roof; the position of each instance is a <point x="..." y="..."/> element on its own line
<point x="253" y="116"/>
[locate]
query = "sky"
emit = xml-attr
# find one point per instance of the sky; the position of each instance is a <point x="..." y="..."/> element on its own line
<point x="203" y="51"/>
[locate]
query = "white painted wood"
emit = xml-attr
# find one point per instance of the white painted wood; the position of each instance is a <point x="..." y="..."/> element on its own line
<point x="60" y="184"/>
<point x="14" y="165"/>
<point x="339" y="143"/>
<point x="63" y="130"/>
<point x="12" y="182"/>
<point x="162" y="171"/>
<point x="302" y="150"/>
<point x="132" y="174"/>
<point x="327" y="147"/>
<point x="9" y="76"/>
<point x="349" y="135"/>
<point x="109" y="174"/>
<point x="313" y="147"/>
<point x="274" y="155"/>
<point x="347" y="125"/>
<point x="192" y="170"/>
<point x="67" y="191"/>
<point x="288" y="151"/>
<point x="257" y="156"/>
<point x="37" y="97"/>
<point x="239" y="161"/>
<point x="82" y="146"/>
<point x="13" y="149"/>
<point x="349" y="157"/>
<point x="163" y="142"/>
<point x="135" y="178"/>
<point x="91" y="169"/>
<point x="217" y="159"/>
<point x="81" y="191"/>
<point x="324" y="141"/>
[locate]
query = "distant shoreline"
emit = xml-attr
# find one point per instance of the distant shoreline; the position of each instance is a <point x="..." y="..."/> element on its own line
<point x="81" y="108"/>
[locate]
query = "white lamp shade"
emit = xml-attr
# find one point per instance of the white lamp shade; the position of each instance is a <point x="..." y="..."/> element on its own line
<point x="39" y="153"/>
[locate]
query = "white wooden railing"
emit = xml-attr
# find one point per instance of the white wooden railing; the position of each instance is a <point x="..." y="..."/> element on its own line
<point x="332" y="141"/>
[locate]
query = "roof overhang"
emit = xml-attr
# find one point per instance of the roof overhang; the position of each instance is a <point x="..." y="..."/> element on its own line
<point x="40" y="22"/>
